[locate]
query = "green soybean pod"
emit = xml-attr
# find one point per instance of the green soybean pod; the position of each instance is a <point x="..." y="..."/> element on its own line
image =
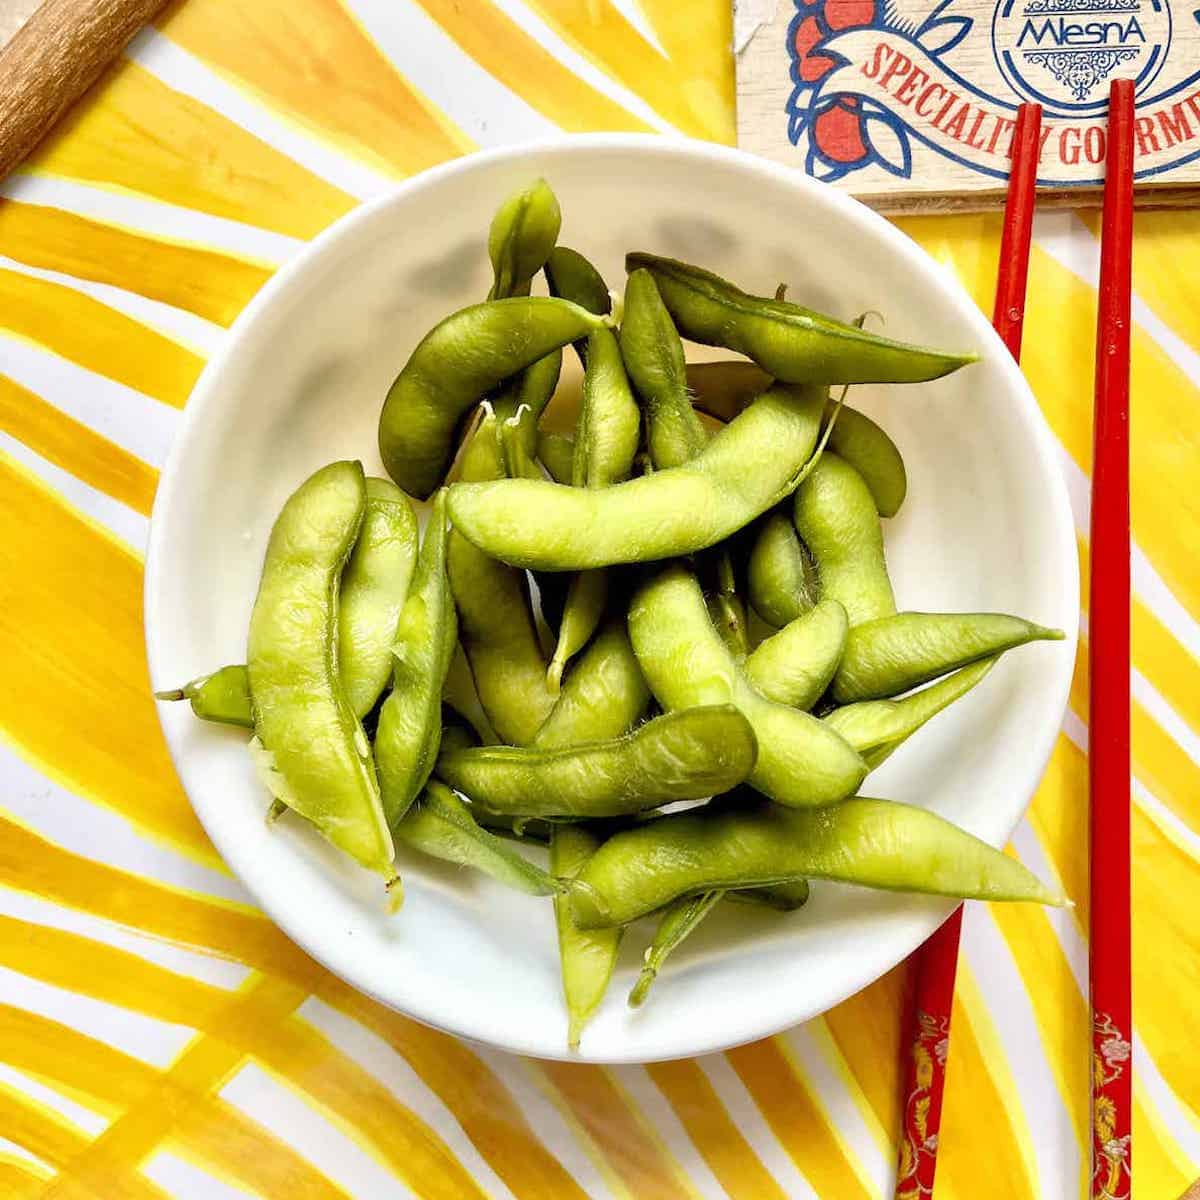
<point x="800" y="761"/>
<point x="222" y="696"/>
<point x="673" y="512"/>
<point x="790" y="343"/>
<point x="796" y="665"/>
<point x="441" y="825"/>
<point x="459" y="361"/>
<point x="893" y="654"/>
<point x="674" y="926"/>
<point x="876" y="727"/>
<point x="604" y="695"/>
<point x="835" y="515"/>
<point x="653" y="356"/>
<point x="681" y="756"/>
<point x="587" y="956"/>
<point x="873" y="843"/>
<point x="782" y="897"/>
<point x="521" y="237"/>
<point x="302" y="716"/>
<point x="722" y="389"/>
<point x="570" y="276"/>
<point x="409" y="733"/>
<point x="495" y="617"/>
<point x="869" y="450"/>
<point x="781" y="577"/>
<point x="606" y="440"/>
<point x="374" y="587"/>
<point x="556" y="452"/>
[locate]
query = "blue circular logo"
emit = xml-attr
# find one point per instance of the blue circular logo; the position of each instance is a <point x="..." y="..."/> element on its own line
<point x="1063" y="53"/>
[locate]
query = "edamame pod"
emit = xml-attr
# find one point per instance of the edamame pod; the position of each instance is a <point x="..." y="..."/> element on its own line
<point x="374" y="588"/>
<point x="795" y="665"/>
<point x="835" y="515"/>
<point x="876" y="727"/>
<point x="792" y="344"/>
<point x="223" y="696"/>
<point x="410" y="721"/>
<point x="460" y="360"/>
<point x="869" y="450"/>
<point x="587" y="956"/>
<point x="896" y="653"/>
<point x="723" y="389"/>
<point x="800" y="761"/>
<point x="673" y="928"/>
<point x="606" y="439"/>
<point x="673" y="512"/>
<point x="782" y="897"/>
<point x="781" y="578"/>
<point x="653" y="356"/>
<point x="681" y="756"/>
<point x="302" y="716"/>
<point x="441" y="825"/>
<point x="604" y="695"/>
<point x="521" y="237"/>
<point x="495" y="617"/>
<point x="873" y="843"/>
<point x="570" y="276"/>
<point x="556" y="452"/>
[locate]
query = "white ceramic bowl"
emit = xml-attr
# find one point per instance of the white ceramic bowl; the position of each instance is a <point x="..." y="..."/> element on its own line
<point x="300" y="382"/>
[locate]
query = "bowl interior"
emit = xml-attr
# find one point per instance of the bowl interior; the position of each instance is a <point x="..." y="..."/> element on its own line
<point x="986" y="526"/>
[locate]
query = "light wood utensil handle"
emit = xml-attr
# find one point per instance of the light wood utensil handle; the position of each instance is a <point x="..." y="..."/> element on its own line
<point x="52" y="60"/>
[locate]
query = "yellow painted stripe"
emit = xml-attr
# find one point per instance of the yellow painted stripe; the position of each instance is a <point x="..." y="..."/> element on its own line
<point x="1059" y="1007"/>
<point x="97" y="337"/>
<point x="631" y="1149"/>
<point x="1059" y="817"/>
<point x="215" y="1135"/>
<point x="30" y="863"/>
<point x="205" y="282"/>
<point x="729" y="1156"/>
<point x="1162" y="1167"/>
<point x="698" y="38"/>
<point x="1166" y="953"/>
<point x="1167" y="663"/>
<point x="867" y="1030"/>
<point x="311" y="60"/>
<point x="525" y="67"/>
<point x="77" y="701"/>
<point x="20" y="1180"/>
<point x="599" y="31"/>
<point x="1167" y="946"/>
<point x="1165" y="440"/>
<point x="1158" y="761"/>
<point x="73" y="446"/>
<point x="1165" y="266"/>
<point x="480" y="1101"/>
<point x="135" y="133"/>
<point x="348" y="1094"/>
<point x="976" y="1107"/>
<point x="43" y="1132"/>
<point x="796" y="1117"/>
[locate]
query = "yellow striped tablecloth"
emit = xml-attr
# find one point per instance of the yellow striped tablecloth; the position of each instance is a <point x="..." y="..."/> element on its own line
<point x="158" y="1036"/>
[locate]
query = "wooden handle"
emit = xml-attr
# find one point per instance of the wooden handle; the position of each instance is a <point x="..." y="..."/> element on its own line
<point x="53" y="59"/>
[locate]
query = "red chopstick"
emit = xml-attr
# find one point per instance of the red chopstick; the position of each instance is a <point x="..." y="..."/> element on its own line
<point x="936" y="962"/>
<point x="1108" y="666"/>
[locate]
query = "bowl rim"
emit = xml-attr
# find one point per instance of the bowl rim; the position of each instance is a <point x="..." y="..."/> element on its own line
<point x="842" y="206"/>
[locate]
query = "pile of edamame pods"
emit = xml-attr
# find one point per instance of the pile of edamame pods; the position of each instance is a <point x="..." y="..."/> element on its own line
<point x="714" y="630"/>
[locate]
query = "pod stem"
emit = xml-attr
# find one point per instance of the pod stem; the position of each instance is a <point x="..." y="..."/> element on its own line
<point x="171" y="694"/>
